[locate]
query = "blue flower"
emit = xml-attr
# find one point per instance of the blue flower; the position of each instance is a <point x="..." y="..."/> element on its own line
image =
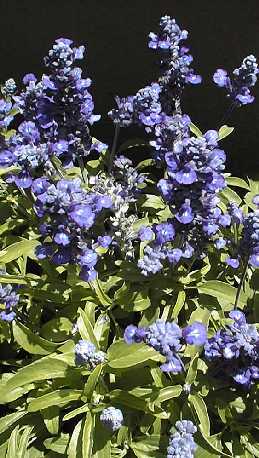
<point x="195" y="334"/>
<point x="87" y="355"/>
<point x="181" y="442"/>
<point x="238" y="86"/>
<point x="112" y="418"/>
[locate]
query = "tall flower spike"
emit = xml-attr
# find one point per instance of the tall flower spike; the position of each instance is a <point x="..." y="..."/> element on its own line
<point x="56" y="114"/>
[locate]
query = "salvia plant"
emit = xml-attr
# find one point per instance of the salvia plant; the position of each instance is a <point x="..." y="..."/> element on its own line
<point x="128" y="290"/>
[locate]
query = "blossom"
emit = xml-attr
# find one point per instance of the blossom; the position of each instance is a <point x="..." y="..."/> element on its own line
<point x="249" y="245"/>
<point x="112" y="418"/>
<point x="56" y="112"/>
<point x="234" y="350"/>
<point x="9" y="298"/>
<point x="168" y="339"/>
<point x="238" y="86"/>
<point x="181" y="442"/>
<point x="67" y="213"/>
<point x="195" y="334"/>
<point x="87" y="355"/>
<point x="175" y="57"/>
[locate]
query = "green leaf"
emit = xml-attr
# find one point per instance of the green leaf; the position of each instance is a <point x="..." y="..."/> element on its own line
<point x="167" y="393"/>
<point x="192" y="371"/>
<point x="58" y="444"/>
<point x="221" y="291"/>
<point x="121" y="355"/>
<point x="200" y="410"/>
<point x="101" y="295"/>
<point x="225" y="131"/>
<point x="154" y="202"/>
<point x="195" y="130"/>
<point x="58" y="398"/>
<point x="179" y="304"/>
<point x="102" y="329"/>
<point x="238" y="182"/>
<point x="57" y="330"/>
<point x="30" y="342"/>
<point x="51" y="419"/>
<point x="101" y="441"/>
<point x="129" y="400"/>
<point x="230" y="196"/>
<point x="9" y="420"/>
<point x="146" y="163"/>
<point x="132" y="299"/>
<point x="19" y="442"/>
<point x="152" y="446"/>
<point x="76" y="412"/>
<point x="92" y="381"/>
<point x="87" y="437"/>
<point x="74" y="448"/>
<point x="18" y="249"/>
<point x="48" y="367"/>
<point x="85" y="327"/>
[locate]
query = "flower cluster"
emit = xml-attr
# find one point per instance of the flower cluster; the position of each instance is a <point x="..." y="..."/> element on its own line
<point x="56" y="111"/>
<point x="234" y="350"/>
<point x="181" y="442"/>
<point x="67" y="213"/>
<point x="239" y="86"/>
<point x="175" y="57"/>
<point x="250" y="239"/>
<point x="194" y="179"/>
<point x="112" y="418"/>
<point x="153" y="104"/>
<point x="5" y="113"/>
<point x="168" y="339"/>
<point x="9" y="298"/>
<point x="87" y="355"/>
<point x="123" y="187"/>
<point x="246" y="248"/>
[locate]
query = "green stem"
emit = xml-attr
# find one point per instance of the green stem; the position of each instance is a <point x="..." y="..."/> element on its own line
<point x="82" y="167"/>
<point x="241" y="283"/>
<point x="114" y="145"/>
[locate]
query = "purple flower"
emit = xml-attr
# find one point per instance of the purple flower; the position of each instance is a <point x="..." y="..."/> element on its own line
<point x="82" y="215"/>
<point x="185" y="214"/>
<point x="243" y="79"/>
<point x="88" y="274"/>
<point x="145" y="233"/>
<point x="164" y="233"/>
<point x="173" y="366"/>
<point x="112" y="418"/>
<point x="104" y="241"/>
<point x="195" y="334"/>
<point x="186" y="176"/>
<point x="232" y="262"/>
<point x="221" y="78"/>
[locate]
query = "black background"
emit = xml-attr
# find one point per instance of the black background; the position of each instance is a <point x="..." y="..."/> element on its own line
<point x="222" y="33"/>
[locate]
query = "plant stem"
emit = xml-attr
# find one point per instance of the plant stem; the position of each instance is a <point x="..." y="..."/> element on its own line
<point x="82" y="167"/>
<point x="114" y="145"/>
<point x="241" y="283"/>
<point x="227" y="114"/>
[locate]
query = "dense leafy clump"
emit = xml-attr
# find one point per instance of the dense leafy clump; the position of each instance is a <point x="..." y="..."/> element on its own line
<point x="128" y="290"/>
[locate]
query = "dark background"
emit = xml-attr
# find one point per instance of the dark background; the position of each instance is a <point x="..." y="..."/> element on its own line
<point x="222" y="33"/>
